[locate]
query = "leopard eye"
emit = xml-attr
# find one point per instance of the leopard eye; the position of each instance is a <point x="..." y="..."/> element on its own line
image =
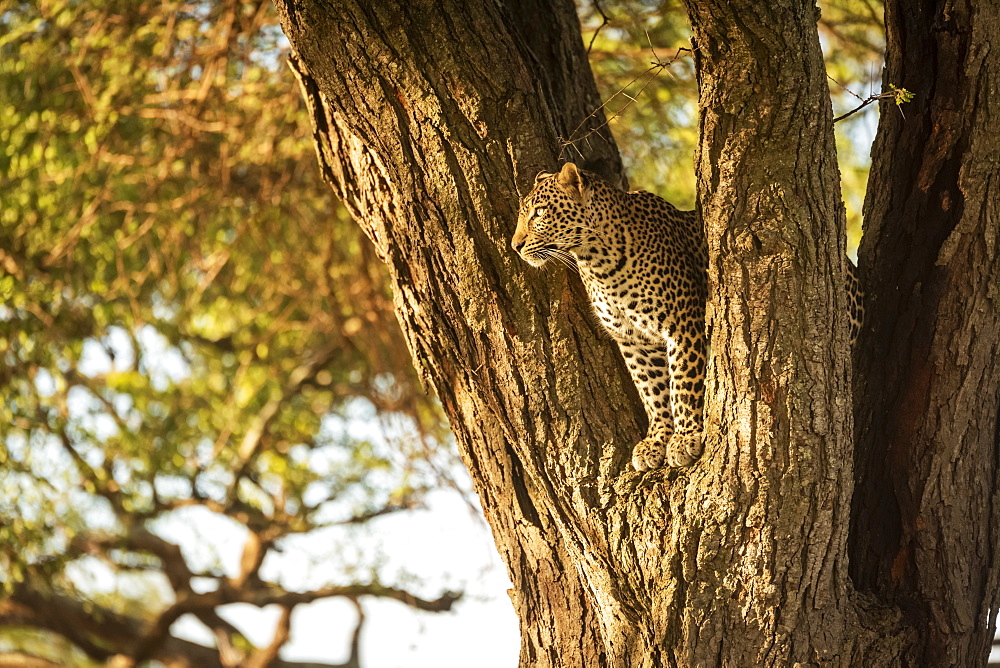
<point x="540" y="211"/>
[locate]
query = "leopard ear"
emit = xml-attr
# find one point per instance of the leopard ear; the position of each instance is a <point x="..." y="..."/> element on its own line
<point x="541" y="176"/>
<point x="571" y="179"/>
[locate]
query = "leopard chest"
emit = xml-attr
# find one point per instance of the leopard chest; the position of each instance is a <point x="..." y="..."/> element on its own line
<point x="627" y="306"/>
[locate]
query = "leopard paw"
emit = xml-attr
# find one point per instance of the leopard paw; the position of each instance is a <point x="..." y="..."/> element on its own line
<point x="684" y="449"/>
<point x="649" y="453"/>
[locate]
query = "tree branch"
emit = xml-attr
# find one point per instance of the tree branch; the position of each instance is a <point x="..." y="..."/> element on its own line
<point x="22" y="660"/>
<point x="264" y="657"/>
<point x="262" y="594"/>
<point x="105" y="635"/>
<point x="139" y="539"/>
<point x="67" y="617"/>
<point x="253" y="438"/>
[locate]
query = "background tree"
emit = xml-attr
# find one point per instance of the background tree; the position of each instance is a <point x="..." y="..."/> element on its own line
<point x="432" y="118"/>
<point x="188" y="329"/>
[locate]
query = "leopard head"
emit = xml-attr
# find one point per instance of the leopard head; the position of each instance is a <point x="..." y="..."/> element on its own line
<point x="555" y="217"/>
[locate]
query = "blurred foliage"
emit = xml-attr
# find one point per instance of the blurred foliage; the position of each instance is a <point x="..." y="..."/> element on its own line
<point x="187" y="317"/>
<point x="657" y="132"/>
<point x="852" y="33"/>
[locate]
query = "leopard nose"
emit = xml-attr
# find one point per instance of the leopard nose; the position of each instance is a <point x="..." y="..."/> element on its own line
<point x="517" y="244"/>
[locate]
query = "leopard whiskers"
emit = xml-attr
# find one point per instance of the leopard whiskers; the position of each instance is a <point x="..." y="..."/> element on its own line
<point x="565" y="256"/>
<point x="562" y="257"/>
<point x="566" y="245"/>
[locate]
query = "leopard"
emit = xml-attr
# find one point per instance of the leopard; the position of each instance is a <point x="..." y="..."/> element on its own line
<point x="644" y="264"/>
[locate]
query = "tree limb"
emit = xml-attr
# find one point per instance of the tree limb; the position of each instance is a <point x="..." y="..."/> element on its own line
<point x="22" y="660"/>
<point x="264" y="657"/>
<point x="104" y="635"/>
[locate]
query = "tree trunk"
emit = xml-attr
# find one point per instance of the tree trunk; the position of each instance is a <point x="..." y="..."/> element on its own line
<point x="431" y="119"/>
<point x="925" y="518"/>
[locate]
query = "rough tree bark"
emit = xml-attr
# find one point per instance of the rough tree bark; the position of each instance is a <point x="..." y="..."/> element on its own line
<point x="430" y="119"/>
<point x="925" y="517"/>
<point x="428" y="115"/>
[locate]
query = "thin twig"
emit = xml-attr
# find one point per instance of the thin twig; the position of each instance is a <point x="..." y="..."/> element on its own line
<point x="653" y="71"/>
<point x="893" y="94"/>
<point x="858" y="108"/>
<point x="845" y="88"/>
<point x="604" y="21"/>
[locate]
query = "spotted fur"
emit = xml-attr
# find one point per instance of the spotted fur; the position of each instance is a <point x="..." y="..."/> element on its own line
<point x="854" y="301"/>
<point x="643" y="263"/>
